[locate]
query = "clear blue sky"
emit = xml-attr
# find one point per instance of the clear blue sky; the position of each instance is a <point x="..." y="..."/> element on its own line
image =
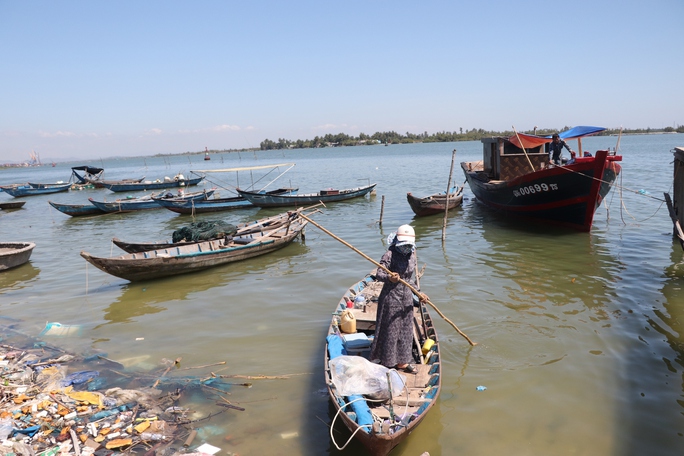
<point x="95" y="79"/>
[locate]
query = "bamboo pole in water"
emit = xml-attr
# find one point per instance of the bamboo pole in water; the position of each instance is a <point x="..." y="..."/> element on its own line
<point x="446" y="208"/>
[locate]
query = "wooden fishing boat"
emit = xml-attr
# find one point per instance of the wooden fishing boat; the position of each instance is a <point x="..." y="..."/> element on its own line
<point x="13" y="254"/>
<point x="216" y="204"/>
<point x="84" y="175"/>
<point x="266" y="223"/>
<point x="77" y="210"/>
<point x="159" y="184"/>
<point x="146" y="202"/>
<point x="12" y="205"/>
<point x="435" y="204"/>
<point x="380" y="425"/>
<point x="154" y="264"/>
<point x="515" y="177"/>
<point x="18" y="190"/>
<point x="37" y="185"/>
<point x="324" y="196"/>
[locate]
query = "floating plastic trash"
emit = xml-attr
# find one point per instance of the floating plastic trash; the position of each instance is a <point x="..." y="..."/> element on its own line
<point x="208" y="449"/>
<point x="79" y="377"/>
<point x="58" y="329"/>
<point x="481" y="388"/>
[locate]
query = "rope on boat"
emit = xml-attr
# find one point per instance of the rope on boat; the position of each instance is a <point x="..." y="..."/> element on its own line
<point x="622" y="206"/>
<point x="638" y="192"/>
<point x="375" y="417"/>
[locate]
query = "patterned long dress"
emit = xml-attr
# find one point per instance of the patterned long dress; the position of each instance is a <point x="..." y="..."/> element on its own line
<point x="394" y="325"/>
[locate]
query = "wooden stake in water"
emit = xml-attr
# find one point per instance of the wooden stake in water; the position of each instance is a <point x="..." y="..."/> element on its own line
<point x="446" y="208"/>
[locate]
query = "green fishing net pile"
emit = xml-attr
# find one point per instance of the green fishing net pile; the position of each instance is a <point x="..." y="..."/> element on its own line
<point x="204" y="231"/>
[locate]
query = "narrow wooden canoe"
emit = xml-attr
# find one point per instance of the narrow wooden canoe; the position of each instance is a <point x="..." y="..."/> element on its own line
<point x="152" y="185"/>
<point x="305" y="199"/>
<point x="154" y="264"/>
<point x="406" y="409"/>
<point x="56" y="185"/>
<point x="77" y="210"/>
<point x="435" y="204"/>
<point x="30" y="190"/>
<point x="13" y="254"/>
<point x="12" y="204"/>
<point x="216" y="204"/>
<point x="266" y="223"/>
<point x="145" y="202"/>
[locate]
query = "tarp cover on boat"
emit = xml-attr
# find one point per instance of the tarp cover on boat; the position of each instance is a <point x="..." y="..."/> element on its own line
<point x="531" y="141"/>
<point x="204" y="231"/>
<point x="88" y="169"/>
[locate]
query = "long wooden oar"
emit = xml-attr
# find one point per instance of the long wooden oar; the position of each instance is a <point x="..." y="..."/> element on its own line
<point x="416" y="292"/>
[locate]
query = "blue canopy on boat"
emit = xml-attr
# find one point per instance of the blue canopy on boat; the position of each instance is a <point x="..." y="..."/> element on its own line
<point x="578" y="132"/>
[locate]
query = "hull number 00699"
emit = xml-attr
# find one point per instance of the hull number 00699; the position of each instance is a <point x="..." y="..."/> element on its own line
<point x="536" y="188"/>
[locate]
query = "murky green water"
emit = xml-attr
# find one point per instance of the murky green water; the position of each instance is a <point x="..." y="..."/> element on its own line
<point x="580" y="343"/>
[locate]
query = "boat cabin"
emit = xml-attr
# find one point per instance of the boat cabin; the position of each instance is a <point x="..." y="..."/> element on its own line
<point x="503" y="160"/>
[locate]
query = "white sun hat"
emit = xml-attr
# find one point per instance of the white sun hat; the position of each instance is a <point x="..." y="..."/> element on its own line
<point x="406" y="235"/>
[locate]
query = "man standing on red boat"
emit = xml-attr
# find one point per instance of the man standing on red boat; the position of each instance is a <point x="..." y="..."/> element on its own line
<point x="556" y="148"/>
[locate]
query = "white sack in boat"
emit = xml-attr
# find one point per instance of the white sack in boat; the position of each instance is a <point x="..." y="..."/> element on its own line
<point x="356" y="375"/>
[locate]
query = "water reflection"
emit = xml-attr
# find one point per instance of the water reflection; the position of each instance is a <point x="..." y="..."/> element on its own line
<point x="528" y="256"/>
<point x="655" y="359"/>
<point x="135" y="301"/>
<point x="673" y="317"/>
<point x="17" y="278"/>
<point x="151" y="297"/>
<point x="432" y="224"/>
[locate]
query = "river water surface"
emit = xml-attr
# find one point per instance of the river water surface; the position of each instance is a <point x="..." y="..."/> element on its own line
<point x="579" y="334"/>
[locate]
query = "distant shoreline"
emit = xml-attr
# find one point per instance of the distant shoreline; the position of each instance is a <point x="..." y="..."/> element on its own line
<point x="400" y="140"/>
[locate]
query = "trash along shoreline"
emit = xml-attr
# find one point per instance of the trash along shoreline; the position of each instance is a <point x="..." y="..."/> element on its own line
<point x="53" y="402"/>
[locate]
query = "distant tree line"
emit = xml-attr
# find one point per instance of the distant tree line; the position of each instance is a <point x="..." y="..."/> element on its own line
<point x="392" y="137"/>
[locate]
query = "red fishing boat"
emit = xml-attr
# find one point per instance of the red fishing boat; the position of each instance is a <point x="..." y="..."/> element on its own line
<point x="515" y="177"/>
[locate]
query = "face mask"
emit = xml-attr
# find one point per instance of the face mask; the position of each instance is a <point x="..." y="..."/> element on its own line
<point x="404" y="249"/>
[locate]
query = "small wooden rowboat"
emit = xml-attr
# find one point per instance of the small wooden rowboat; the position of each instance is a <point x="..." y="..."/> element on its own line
<point x="435" y="204"/>
<point x="13" y="254"/>
<point x="381" y="426"/>
<point x="154" y="264"/>
<point x="266" y="223"/>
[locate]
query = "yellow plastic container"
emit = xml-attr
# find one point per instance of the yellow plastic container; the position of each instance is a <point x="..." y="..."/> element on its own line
<point x="427" y="346"/>
<point x="348" y="322"/>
